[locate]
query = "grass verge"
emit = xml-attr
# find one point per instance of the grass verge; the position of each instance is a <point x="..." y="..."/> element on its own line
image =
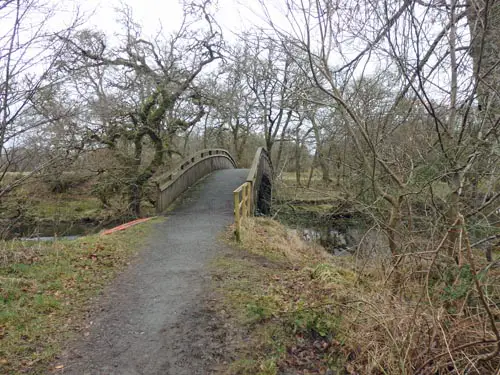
<point x="45" y="287"/>
<point x="278" y="292"/>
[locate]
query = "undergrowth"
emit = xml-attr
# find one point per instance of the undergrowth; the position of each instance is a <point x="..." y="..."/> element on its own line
<point x="302" y="311"/>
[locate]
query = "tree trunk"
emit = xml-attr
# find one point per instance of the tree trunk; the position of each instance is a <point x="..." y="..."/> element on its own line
<point x="484" y="23"/>
<point x="135" y="198"/>
<point x="298" y="166"/>
<point x="136" y="189"/>
<point x="325" y="171"/>
<point x="280" y="149"/>
<point x="311" y="171"/>
<point x="452" y="216"/>
<point x="269" y="145"/>
<point x="339" y="166"/>
<point x="392" y="226"/>
<point x="236" y="148"/>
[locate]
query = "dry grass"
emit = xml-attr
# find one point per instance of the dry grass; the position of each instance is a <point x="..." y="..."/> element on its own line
<point x="304" y="312"/>
<point x="286" y="188"/>
<point x="259" y="237"/>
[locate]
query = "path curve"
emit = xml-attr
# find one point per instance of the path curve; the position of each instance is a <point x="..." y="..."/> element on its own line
<point x="150" y="320"/>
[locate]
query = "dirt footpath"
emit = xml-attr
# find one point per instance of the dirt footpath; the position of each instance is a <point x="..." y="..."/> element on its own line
<point x="152" y="319"/>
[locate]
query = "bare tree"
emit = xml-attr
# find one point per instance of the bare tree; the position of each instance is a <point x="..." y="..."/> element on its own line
<point x="149" y="81"/>
<point x="234" y="106"/>
<point x="314" y="28"/>
<point x="26" y="65"/>
<point x="418" y="96"/>
<point x="270" y="76"/>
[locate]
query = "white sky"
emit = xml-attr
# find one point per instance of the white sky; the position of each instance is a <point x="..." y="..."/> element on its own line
<point x="232" y="15"/>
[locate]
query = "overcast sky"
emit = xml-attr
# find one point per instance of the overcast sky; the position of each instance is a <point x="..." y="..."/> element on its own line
<point x="232" y="15"/>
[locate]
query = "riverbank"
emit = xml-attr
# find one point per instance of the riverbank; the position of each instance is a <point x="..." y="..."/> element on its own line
<point x="295" y="309"/>
<point x="36" y="210"/>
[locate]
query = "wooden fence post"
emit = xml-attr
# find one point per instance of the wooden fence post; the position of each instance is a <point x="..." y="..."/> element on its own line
<point x="250" y="199"/>
<point x="244" y="203"/>
<point x="237" y="223"/>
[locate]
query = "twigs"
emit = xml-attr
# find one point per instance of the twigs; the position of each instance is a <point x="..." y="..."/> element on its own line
<point x="460" y="347"/>
<point x="487" y="239"/>
<point x="480" y="291"/>
<point x="450" y="350"/>
<point x="451" y="324"/>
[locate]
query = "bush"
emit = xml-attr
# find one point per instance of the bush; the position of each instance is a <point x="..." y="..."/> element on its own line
<point x="58" y="182"/>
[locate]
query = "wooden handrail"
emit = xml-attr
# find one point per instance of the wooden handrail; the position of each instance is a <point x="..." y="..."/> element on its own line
<point x="261" y="155"/>
<point x="246" y="194"/>
<point x="171" y="184"/>
<point x="242" y="207"/>
<point x="183" y="166"/>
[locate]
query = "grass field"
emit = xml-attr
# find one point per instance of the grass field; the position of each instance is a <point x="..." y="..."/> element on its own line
<point x="286" y="188"/>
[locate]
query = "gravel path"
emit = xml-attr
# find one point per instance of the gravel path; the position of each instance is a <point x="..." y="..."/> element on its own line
<point x="151" y="319"/>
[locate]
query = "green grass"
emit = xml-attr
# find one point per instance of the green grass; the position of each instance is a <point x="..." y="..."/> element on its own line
<point x="67" y="208"/>
<point x="277" y="291"/>
<point x="45" y="287"/>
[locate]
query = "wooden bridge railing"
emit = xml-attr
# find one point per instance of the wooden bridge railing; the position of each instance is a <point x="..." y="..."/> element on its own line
<point x="242" y="205"/>
<point x="255" y="194"/>
<point x="175" y="182"/>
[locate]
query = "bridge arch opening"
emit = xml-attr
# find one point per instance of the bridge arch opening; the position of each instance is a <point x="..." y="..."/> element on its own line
<point x="264" y="196"/>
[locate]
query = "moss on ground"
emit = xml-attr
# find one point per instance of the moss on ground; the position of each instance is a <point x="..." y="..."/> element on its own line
<point x="66" y="208"/>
